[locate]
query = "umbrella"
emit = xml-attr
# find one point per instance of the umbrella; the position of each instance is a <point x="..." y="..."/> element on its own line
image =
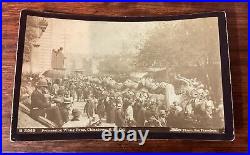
<point x="54" y="74"/>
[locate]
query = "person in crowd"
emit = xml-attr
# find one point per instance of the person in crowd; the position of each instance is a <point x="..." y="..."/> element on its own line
<point x="126" y="106"/>
<point x="100" y="109"/>
<point x="95" y="102"/>
<point x="41" y="104"/>
<point x="85" y="91"/>
<point x="63" y="101"/>
<point x="72" y="90"/>
<point x="189" y="116"/>
<point x="76" y="120"/>
<point x="78" y="92"/>
<point x="90" y="107"/>
<point x="162" y="118"/>
<point x="119" y="115"/>
<point x="141" y="114"/>
<point x="129" y="115"/>
<point x="76" y="113"/>
<point x="152" y="108"/>
<point x="111" y="111"/>
<point x="107" y="103"/>
<point x="136" y="108"/>
<point x="59" y="97"/>
<point x="65" y="109"/>
<point x="55" y="86"/>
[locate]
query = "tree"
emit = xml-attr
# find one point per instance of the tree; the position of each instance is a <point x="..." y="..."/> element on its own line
<point x="187" y="47"/>
<point x="186" y="43"/>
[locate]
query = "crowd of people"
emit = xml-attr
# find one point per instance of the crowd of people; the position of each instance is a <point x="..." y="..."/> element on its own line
<point x="129" y="103"/>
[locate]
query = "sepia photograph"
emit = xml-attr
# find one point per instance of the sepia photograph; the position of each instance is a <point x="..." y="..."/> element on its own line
<point x="124" y="77"/>
<point x="125" y="74"/>
<point x="89" y="75"/>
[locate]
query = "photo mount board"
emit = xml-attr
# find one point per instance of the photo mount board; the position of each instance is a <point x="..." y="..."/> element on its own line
<point x="228" y="133"/>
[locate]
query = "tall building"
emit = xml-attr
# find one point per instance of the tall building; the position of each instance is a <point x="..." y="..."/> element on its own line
<point x="51" y="39"/>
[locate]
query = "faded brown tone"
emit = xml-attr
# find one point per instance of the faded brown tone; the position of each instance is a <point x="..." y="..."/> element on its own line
<point x="237" y="26"/>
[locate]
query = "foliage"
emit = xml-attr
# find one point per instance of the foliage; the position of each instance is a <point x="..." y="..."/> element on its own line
<point x="182" y="44"/>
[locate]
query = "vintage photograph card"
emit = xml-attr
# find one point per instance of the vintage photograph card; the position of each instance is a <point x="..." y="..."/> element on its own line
<point x="77" y="76"/>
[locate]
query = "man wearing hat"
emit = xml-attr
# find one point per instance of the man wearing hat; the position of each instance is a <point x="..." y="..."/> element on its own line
<point x="76" y="121"/>
<point x="39" y="98"/>
<point x="76" y="113"/>
<point x="41" y="106"/>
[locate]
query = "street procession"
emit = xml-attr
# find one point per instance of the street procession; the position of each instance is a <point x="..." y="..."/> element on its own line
<point x="119" y="82"/>
<point x="77" y="100"/>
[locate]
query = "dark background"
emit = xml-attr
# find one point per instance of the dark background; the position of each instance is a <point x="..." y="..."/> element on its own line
<point x="238" y="38"/>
